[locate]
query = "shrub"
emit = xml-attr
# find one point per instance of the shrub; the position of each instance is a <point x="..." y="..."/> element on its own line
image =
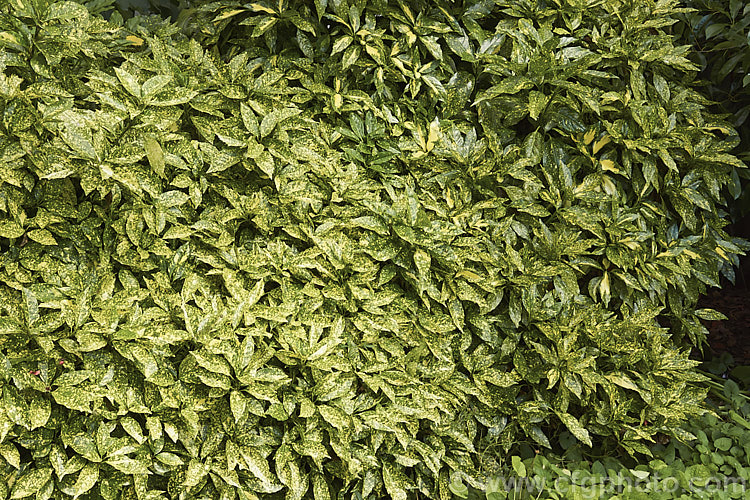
<point x="352" y="249"/>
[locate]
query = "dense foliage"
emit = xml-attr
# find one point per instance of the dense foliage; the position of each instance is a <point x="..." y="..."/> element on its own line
<point x="719" y="32"/>
<point x="715" y="465"/>
<point x="351" y="248"/>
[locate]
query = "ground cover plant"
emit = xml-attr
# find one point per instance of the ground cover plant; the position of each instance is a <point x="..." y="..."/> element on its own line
<point x="713" y="465"/>
<point x="347" y="249"/>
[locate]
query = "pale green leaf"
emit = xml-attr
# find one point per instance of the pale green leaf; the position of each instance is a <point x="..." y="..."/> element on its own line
<point x="155" y="155"/>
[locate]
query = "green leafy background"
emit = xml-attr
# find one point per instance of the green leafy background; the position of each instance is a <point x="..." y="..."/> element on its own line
<point x="347" y="248"/>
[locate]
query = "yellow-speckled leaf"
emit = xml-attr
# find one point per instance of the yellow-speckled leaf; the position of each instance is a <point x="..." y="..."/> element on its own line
<point x="212" y="362"/>
<point x="73" y="398"/>
<point x="395" y="482"/>
<point x="86" y="480"/>
<point x="129" y="81"/>
<point x="335" y="416"/>
<point x="173" y="198"/>
<point x="237" y="404"/>
<point x="61" y="11"/>
<point x="128" y="465"/>
<point x="170" y="459"/>
<point x="31" y="482"/>
<point x="11" y="455"/>
<point x="575" y="428"/>
<point x="10" y="229"/>
<point x="40" y="410"/>
<point x="42" y="236"/>
<point x="133" y="428"/>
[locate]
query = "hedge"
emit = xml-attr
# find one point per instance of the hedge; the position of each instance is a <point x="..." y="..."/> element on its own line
<point x="351" y="249"/>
